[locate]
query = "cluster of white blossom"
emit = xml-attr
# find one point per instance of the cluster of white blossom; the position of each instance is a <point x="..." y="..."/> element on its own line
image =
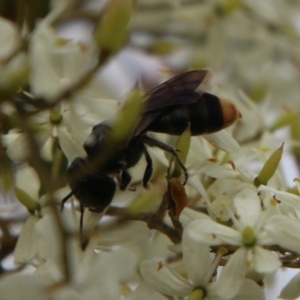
<point x="223" y="235"/>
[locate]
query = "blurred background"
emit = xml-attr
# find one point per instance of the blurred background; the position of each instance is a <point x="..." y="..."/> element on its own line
<point x="251" y="46"/>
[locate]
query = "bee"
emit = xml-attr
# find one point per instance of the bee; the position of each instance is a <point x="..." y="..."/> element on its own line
<point x="169" y="108"/>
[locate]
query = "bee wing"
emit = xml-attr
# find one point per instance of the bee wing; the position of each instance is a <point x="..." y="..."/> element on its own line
<point x="165" y="94"/>
<point x="171" y="94"/>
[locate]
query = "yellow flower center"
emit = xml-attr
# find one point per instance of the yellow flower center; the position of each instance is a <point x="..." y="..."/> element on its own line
<point x="197" y="294"/>
<point x="249" y="238"/>
<point x="55" y="117"/>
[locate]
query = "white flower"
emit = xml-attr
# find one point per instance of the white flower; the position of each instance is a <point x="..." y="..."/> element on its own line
<point x="200" y="266"/>
<point x="71" y="121"/>
<point x="229" y="182"/>
<point x="289" y="204"/>
<point x="90" y="274"/>
<point x="247" y="233"/>
<point x="223" y="140"/>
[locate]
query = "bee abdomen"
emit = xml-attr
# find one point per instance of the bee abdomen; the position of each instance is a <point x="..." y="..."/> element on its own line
<point x="207" y="115"/>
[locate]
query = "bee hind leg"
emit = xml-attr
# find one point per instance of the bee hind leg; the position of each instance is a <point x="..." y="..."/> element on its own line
<point x="155" y="143"/>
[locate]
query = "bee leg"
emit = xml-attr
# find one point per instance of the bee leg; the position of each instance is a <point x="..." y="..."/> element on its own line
<point x="149" y="169"/>
<point x="63" y="201"/>
<point x="125" y="180"/>
<point x="82" y="241"/>
<point x="155" y="143"/>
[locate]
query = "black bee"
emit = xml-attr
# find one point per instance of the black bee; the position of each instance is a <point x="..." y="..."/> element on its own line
<point x="169" y="108"/>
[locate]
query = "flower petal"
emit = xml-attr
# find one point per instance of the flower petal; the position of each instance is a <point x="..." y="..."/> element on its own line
<point x="17" y="143"/>
<point x="49" y="246"/>
<point x="9" y="37"/>
<point x="195" y="183"/>
<point x="131" y="232"/>
<point x="291" y="290"/>
<point x="196" y="259"/>
<point x="223" y="140"/>
<point x="115" y="266"/>
<point x="265" y="261"/>
<point x="161" y="278"/>
<point x="233" y="275"/>
<point x="285" y="232"/>
<point x="145" y="292"/>
<point x="28" y="180"/>
<point x="212" y="233"/>
<point x="26" y="247"/>
<point x="25" y="287"/>
<point x="250" y="291"/>
<point x="192" y="215"/>
<point x="71" y="141"/>
<point x="55" y="62"/>
<point x="67" y="293"/>
<point x="248" y="207"/>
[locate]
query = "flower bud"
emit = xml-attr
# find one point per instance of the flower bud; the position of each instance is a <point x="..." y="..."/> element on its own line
<point x="111" y="32"/>
<point x="295" y="133"/>
<point x="284" y="120"/>
<point x="269" y="168"/>
<point x="182" y="146"/>
<point x="227" y="6"/>
<point x="127" y="119"/>
<point x="14" y="74"/>
<point x="26" y="200"/>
